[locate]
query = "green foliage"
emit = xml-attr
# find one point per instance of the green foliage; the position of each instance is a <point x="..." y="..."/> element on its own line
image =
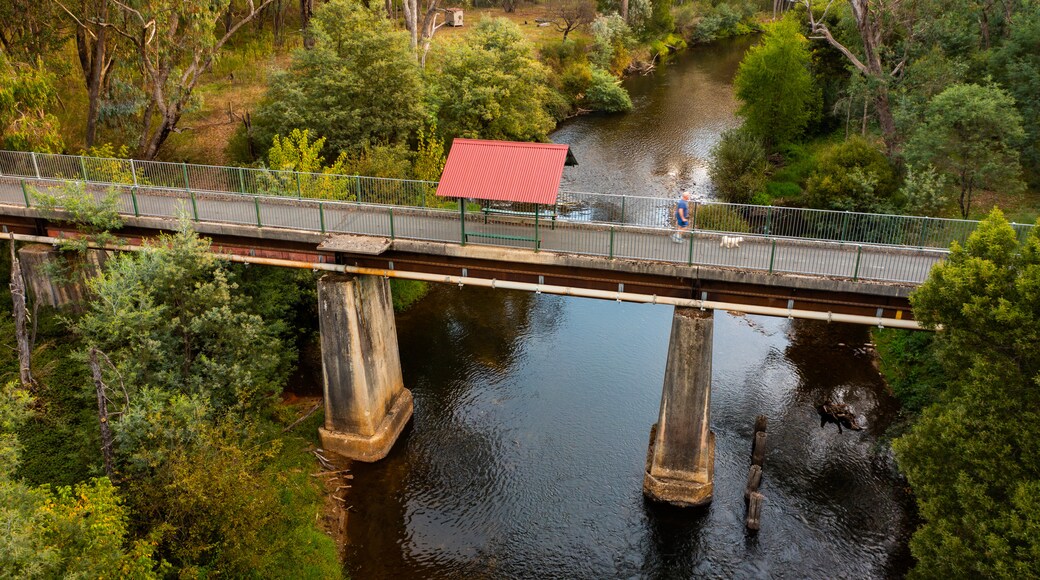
<point x="405" y="293"/>
<point x="970" y="135"/>
<point x="27" y="97"/>
<point x="738" y="166"/>
<point x="720" y="20"/>
<point x="70" y="533"/>
<point x="1016" y="65"/>
<point x="296" y="152"/>
<point x="613" y="43"/>
<point x="181" y="338"/>
<point x="429" y="156"/>
<point x="606" y="94"/>
<point x="924" y="191"/>
<point x="853" y="176"/>
<point x="490" y="86"/>
<point x="79" y="532"/>
<point x="910" y="366"/>
<point x="777" y="190"/>
<point x="971" y="459"/>
<point x="94" y="216"/>
<point x="360" y="86"/>
<point x="775" y="87"/>
<point x="720" y="218"/>
<point x="661" y="20"/>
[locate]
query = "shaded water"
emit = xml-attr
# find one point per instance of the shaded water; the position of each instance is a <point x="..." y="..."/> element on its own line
<point x="525" y="456"/>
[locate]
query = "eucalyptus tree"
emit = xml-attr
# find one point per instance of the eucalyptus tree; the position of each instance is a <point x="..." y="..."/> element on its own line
<point x="175" y="43"/>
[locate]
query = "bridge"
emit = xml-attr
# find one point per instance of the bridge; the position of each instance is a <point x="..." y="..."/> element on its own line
<point x="825" y="265"/>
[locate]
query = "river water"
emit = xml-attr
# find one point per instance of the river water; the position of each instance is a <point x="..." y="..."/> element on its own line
<point x="526" y="452"/>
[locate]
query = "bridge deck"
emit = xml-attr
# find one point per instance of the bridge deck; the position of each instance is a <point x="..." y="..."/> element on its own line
<point x="885" y="264"/>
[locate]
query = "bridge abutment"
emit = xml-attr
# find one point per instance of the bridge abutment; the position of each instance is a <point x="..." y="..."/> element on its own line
<point x="366" y="404"/>
<point x="680" y="462"/>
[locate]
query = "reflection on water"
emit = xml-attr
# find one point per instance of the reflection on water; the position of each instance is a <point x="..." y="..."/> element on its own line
<point x="664" y="144"/>
<point x="526" y="452"/>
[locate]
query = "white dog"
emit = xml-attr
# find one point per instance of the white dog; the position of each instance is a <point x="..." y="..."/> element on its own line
<point x="731" y="241"/>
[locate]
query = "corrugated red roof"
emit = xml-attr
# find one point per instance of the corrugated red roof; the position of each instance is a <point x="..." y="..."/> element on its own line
<point x="503" y="171"/>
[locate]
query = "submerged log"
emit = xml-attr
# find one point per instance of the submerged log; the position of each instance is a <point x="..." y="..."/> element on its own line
<point x="758" y="451"/>
<point x="753" y="481"/>
<point x="760" y="424"/>
<point x="754" y="512"/>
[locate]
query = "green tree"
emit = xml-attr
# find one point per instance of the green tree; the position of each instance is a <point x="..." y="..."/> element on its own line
<point x="175" y="42"/>
<point x="359" y="86"/>
<point x="175" y="326"/>
<point x="853" y="176"/>
<point x="605" y="93"/>
<point x="80" y="532"/>
<point x="971" y="457"/>
<point x="970" y="134"/>
<point x="738" y="166"/>
<point x="27" y="96"/>
<point x="492" y="87"/>
<point x="1016" y="65"/>
<point x="775" y="87"/>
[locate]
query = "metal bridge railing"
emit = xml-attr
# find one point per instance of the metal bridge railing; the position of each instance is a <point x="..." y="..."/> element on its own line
<point x="572" y="206"/>
<point x="857" y="261"/>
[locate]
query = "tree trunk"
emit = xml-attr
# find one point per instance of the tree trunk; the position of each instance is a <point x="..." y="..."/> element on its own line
<point x="306" y="12"/>
<point x="278" y="23"/>
<point x="886" y="121"/>
<point x="20" y="330"/>
<point x="624" y="10"/>
<point x="106" y="430"/>
<point x="95" y="62"/>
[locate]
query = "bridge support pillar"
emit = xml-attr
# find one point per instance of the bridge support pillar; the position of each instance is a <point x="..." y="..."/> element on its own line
<point x="366" y="404"/>
<point x="680" y="463"/>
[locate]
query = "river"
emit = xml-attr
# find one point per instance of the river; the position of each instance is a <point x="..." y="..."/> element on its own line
<point x="525" y="455"/>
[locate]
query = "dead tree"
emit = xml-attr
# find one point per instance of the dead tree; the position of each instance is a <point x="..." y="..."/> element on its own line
<point x="103" y="414"/>
<point x="880" y="26"/>
<point x="573" y="14"/>
<point x="421" y="27"/>
<point x="21" y="330"/>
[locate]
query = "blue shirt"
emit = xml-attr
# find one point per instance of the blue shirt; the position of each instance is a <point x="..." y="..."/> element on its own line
<point x="682" y="209"/>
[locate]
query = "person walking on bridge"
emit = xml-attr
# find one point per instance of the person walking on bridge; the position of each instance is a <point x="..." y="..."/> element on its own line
<point x="682" y="217"/>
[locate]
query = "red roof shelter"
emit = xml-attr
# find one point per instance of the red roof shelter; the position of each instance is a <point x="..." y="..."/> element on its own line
<point x="503" y="171"/>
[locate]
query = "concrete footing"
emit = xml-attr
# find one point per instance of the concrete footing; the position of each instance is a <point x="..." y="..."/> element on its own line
<point x="366" y="404"/>
<point x="40" y="264"/>
<point x="680" y="460"/>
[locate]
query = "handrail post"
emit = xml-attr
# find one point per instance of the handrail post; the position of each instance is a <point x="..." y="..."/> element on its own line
<point x="321" y="215"/>
<point x="689" y="256"/>
<point x="462" y="220"/>
<point x="194" y="205"/>
<point x="36" y="166"/>
<point x="769" y="220"/>
<point x="133" y="171"/>
<point x="844" y="225"/>
<point x="299" y="190"/>
<point x="133" y="198"/>
<point x="859" y="253"/>
<point x="256" y="203"/>
<point x="391" y="223"/>
<point x="241" y="181"/>
<point x="184" y="168"/>
<point x="357" y="180"/>
<point x="772" y="256"/>
<point x="536" y="212"/>
<point x="611" y="254"/>
<point x="83" y="168"/>
<point x="622" y="209"/>
<point x="25" y="194"/>
<point x="693" y="222"/>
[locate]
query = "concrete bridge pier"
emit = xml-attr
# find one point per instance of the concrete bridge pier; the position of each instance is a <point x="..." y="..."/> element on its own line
<point x="366" y="404"/>
<point x="680" y="463"/>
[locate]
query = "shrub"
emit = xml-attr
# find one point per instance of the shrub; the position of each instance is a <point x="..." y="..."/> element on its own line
<point x="738" y="166"/>
<point x="720" y="218"/>
<point x="606" y="94"/>
<point x="853" y="175"/>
